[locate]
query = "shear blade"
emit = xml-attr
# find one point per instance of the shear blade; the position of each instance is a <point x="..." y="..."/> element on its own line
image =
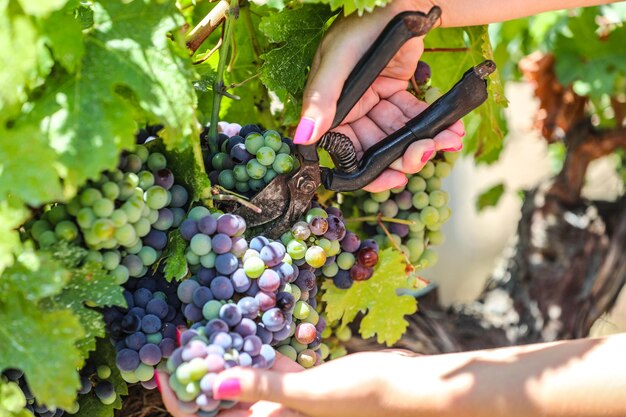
<point x="273" y="201"/>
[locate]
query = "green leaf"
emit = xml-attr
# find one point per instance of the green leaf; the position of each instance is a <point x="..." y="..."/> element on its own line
<point x="490" y="197"/>
<point x="350" y="6"/>
<point x="12" y="400"/>
<point x="41" y="8"/>
<point x="376" y="298"/>
<point x="129" y="66"/>
<point x="174" y="257"/>
<point x="299" y="31"/>
<point x="43" y="345"/>
<point x="485" y="125"/>
<point x="64" y="35"/>
<point x="90" y="405"/>
<point x="90" y="286"/>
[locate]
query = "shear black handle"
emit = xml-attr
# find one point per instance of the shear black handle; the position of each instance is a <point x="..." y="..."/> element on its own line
<point x="400" y="29"/>
<point x="466" y="95"/>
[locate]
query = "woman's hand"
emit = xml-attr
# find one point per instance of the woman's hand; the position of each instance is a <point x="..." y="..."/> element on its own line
<point x="384" y="108"/>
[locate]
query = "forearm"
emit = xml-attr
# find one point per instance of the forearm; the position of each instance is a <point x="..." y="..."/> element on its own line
<point x="564" y="379"/>
<point x="480" y="12"/>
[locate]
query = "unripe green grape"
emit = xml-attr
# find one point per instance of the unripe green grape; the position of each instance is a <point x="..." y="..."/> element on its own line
<point x="370" y="206"/>
<point x="89" y="196"/>
<point x="302" y="310"/>
<point x="429" y="258"/>
<point x="324" y="351"/>
<point x="438" y="198"/>
<point x="433" y="183"/>
<point x="444" y="213"/>
<point x="381" y="196"/>
<point x="296" y="249"/>
<point x="315" y="212"/>
<point x="200" y="244"/>
<point x="328" y="332"/>
<point x="344" y="334"/>
<point x="428" y="170"/>
<point x="66" y="230"/>
<point x="451" y="157"/>
<point x="142" y="227"/>
<point x="156" y="197"/>
<point x="142" y="152"/>
<point x="436" y="237"/>
<point x="110" y="190"/>
<point x="156" y="161"/>
<point x="420" y="200"/>
<point x="211" y="309"/>
<point x="208" y="260"/>
<point x="315" y="256"/>
<point x="389" y="208"/>
<point x="254" y="142"/>
<point x="134" y="247"/>
<point x="152" y="216"/>
<point x="94" y="256"/>
<point x="131" y="179"/>
<point x="57" y="213"/>
<point x="125" y="235"/>
<point x="148" y="255"/>
<point x="330" y="270"/>
<point x="335" y="248"/>
<point x="284" y="149"/>
<point x="416" y="184"/>
<point x="325" y="244"/>
<point x="38" y="227"/>
<point x="192" y="258"/>
<point x="103" y="371"/>
<point x="198" y="212"/>
<point x="307" y="358"/>
<point x="299" y="347"/>
<point x="266" y="156"/>
<point x="272" y="139"/>
<point x="255" y="169"/>
<point x="435" y="226"/>
<point x="256" y="184"/>
<point x="133" y="210"/>
<point x="133" y="163"/>
<point x="254" y="267"/>
<point x="226" y="179"/>
<point x="288" y="351"/>
<point x="240" y="173"/>
<point x="345" y="260"/>
<point x="417" y="222"/>
<point x="103" y="229"/>
<point x="442" y="169"/>
<point x="47" y="238"/>
<point x="111" y="259"/>
<point x="283" y="163"/>
<point x="108" y="244"/>
<point x="429" y="215"/>
<point x="242" y="187"/>
<point x="217" y="162"/>
<point x="103" y="207"/>
<point x="269" y="175"/>
<point x="380" y="240"/>
<point x="73" y="206"/>
<point x="393" y="237"/>
<point x="146" y="179"/>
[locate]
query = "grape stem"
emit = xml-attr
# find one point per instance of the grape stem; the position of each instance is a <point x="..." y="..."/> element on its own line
<point x="196" y="37"/>
<point x="218" y="85"/>
<point x="231" y="197"/>
<point x="379" y="218"/>
<point x="446" y="49"/>
<point x="202" y="58"/>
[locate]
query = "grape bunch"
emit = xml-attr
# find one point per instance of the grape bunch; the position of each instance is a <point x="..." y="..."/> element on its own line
<point x="122" y="217"/>
<point x="95" y="380"/>
<point x="249" y="158"/>
<point x="339" y="253"/>
<point x="145" y="332"/>
<point x="421" y="206"/>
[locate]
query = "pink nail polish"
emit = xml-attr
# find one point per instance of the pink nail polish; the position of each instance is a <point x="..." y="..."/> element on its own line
<point x="228" y="388"/>
<point x="304" y="131"/>
<point x="452" y="149"/>
<point x="427" y="155"/>
<point x="158" y="381"/>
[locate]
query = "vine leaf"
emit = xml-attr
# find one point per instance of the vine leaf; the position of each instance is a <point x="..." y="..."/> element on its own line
<point x="376" y="298"/>
<point x="351" y="6"/>
<point x="10" y="219"/>
<point x="490" y="197"/>
<point x="43" y="345"/>
<point x="175" y="260"/>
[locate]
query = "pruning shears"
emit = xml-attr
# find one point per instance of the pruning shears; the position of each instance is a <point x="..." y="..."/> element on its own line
<point x="287" y="197"/>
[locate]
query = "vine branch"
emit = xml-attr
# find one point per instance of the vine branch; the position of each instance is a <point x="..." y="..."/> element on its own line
<point x="203" y="30"/>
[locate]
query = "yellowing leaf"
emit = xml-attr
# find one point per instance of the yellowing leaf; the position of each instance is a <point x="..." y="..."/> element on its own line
<point x="377" y="298"/>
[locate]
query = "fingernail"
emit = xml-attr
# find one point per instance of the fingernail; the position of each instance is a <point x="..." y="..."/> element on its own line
<point x="304" y="131"/>
<point x="158" y="382"/>
<point x="452" y="149"/>
<point x="228" y="388"/>
<point x="427" y="155"/>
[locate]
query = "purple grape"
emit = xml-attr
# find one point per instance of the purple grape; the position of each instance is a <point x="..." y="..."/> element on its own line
<point x="187" y="335"/>
<point x="192" y="313"/>
<point x="131" y="323"/>
<point x="222" y="288"/>
<point x="194" y="349"/>
<point x="137" y="311"/>
<point x="226" y="263"/>
<point x="150" y="323"/>
<point x="286" y="272"/>
<point x="247" y="327"/>
<point x="135" y="341"/>
<point x="157" y="307"/>
<point x="369" y="243"/>
<point x="237" y="340"/>
<point x="249" y="307"/>
<point x="283" y="333"/>
<point x="222" y="339"/>
<point x="350" y="242"/>
<point x="188" y="229"/>
<point x="206" y="383"/>
<point x="336" y="228"/>
<point x="205" y="275"/>
<point x="150" y="354"/>
<point x="269" y="280"/>
<point x="201" y="296"/>
<point x="167" y="347"/>
<point x="240" y="281"/>
<point x="215" y="349"/>
<point x="207" y="225"/>
<point x="245" y="359"/>
<point x="342" y="280"/>
<point x="318" y="226"/>
<point x="215" y="363"/>
<point x="156" y="239"/>
<point x="247" y="129"/>
<point x="274" y="319"/>
<point x="141" y="297"/>
<point x="266" y="300"/>
<point x="231" y="314"/>
<point x="228" y="224"/>
<point x="422" y="73"/>
<point x="186" y="289"/>
<point x="269" y="354"/>
<point x="252" y="345"/>
<point x="257" y="243"/>
<point x="401" y="230"/>
<point x="264" y="334"/>
<point x="164" y="177"/>
<point x="221" y="243"/>
<point x="306" y="280"/>
<point x="179" y="196"/>
<point x="259" y="362"/>
<point x="169" y="331"/>
<point x="232" y="141"/>
<point x="127" y="360"/>
<point x="239" y="154"/>
<point x="214" y="326"/>
<point x="273" y="254"/>
<point x="335" y="212"/>
<point x="103" y="390"/>
<point x="239" y="246"/>
<point x="165" y="219"/>
<point x="285" y="301"/>
<point x="404" y="200"/>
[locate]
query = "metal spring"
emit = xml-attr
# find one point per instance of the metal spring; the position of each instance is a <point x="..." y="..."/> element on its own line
<point x="341" y="150"/>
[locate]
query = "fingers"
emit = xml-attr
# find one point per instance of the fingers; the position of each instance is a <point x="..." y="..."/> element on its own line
<point x="390" y="178"/>
<point x="169" y="398"/>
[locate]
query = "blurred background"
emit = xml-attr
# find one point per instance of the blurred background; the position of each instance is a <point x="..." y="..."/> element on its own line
<point x="475" y="241"/>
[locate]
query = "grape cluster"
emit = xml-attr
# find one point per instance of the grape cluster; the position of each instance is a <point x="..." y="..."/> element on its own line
<point x="249" y="158"/>
<point x="95" y="380"/>
<point x="145" y="332"/>
<point x="322" y="241"/>
<point x="122" y="217"/>
<point x="421" y="203"/>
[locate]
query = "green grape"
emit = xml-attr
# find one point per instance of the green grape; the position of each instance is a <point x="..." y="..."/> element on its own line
<point x="73" y="206"/>
<point x="111" y="190"/>
<point x="417" y="222"/>
<point x="269" y="175"/>
<point x="438" y="198"/>
<point x="266" y="156"/>
<point x="381" y="196"/>
<point x="344" y="334"/>
<point x="208" y="260"/>
<point x="200" y="244"/>
<point x="283" y="163"/>
<point x="142" y="152"/>
<point x="89" y="196"/>
<point x="119" y="217"/>
<point x="315" y="212"/>
<point x="255" y="169"/>
<point x="197" y="369"/>
<point x="211" y="310"/>
<point x="66" y="230"/>
<point x="324" y="351"/>
<point x="428" y="170"/>
<point x="392" y="236"/>
<point x="103" y="371"/>
<point x="429" y="258"/>
<point x="345" y="260"/>
<point x="307" y="358"/>
<point x="198" y="212"/>
<point x="156" y="161"/>
<point x="57" y="213"/>
<point x="335" y="248"/>
<point x="325" y="244"/>
<point x="146" y="179"/>
<point x="133" y="209"/>
<point x="125" y="235"/>
<point x="429" y="215"/>
<point x="451" y="157"/>
<point x="416" y="184"/>
<point x="129" y="377"/>
<point x="147" y="255"/>
<point x="302" y="310"/>
<point x="38" y="227"/>
<point x="111" y="260"/>
<point x="296" y="249"/>
<point x="103" y="229"/>
<point x="444" y="214"/>
<point x="103" y="207"/>
<point x="256" y="184"/>
<point x="254" y="142"/>
<point x="389" y="208"/>
<point x="240" y="173"/>
<point x="288" y="351"/>
<point x="442" y="169"/>
<point x="273" y="139"/>
<point x="134" y="247"/>
<point x="416" y="248"/>
<point x="217" y="162"/>
<point x="254" y="267"/>
<point x="433" y="183"/>
<point x="154" y="338"/>
<point x="156" y="197"/>
<point x="435" y="237"/>
<point x="370" y="206"/>
<point x="242" y="187"/>
<point x="108" y="244"/>
<point x="142" y="227"/>
<point x="47" y="238"/>
<point x="330" y="270"/>
<point x="226" y="179"/>
<point x="420" y="200"/>
<point x="284" y="149"/>
<point x="432" y="94"/>
<point x="315" y="256"/>
<point x="133" y="163"/>
<point x="192" y="258"/>
<point x="94" y="256"/>
<point x="434" y="227"/>
<point x="313" y="317"/>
